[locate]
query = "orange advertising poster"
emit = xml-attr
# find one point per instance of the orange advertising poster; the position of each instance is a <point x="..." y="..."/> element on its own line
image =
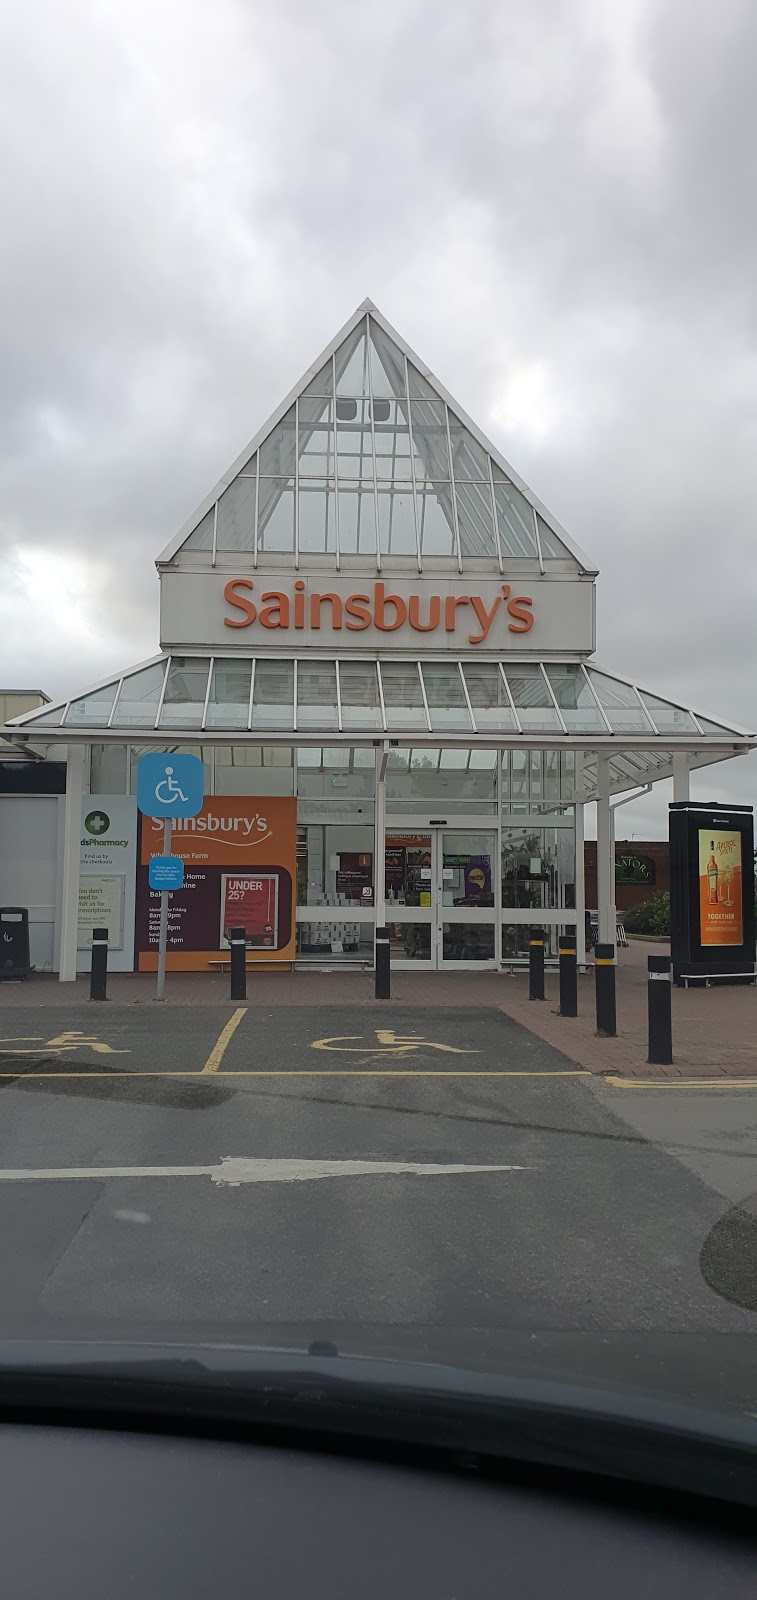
<point x="720" y="906"/>
<point x="240" y="855"/>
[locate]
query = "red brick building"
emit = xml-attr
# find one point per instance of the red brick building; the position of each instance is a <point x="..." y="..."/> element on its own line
<point x="642" y="868"/>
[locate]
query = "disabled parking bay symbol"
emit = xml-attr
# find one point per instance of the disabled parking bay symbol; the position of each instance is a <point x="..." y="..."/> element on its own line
<point x="169" y="785"/>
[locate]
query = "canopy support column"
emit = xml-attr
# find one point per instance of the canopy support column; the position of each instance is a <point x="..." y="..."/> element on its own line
<point x="680" y="776"/>
<point x="69" y="900"/>
<point x="605" y="854"/>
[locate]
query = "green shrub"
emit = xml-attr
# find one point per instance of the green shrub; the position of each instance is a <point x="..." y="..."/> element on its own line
<point x="652" y="916"/>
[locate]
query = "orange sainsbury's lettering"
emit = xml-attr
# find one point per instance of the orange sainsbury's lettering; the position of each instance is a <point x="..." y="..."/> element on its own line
<point x="450" y="607"/>
<point x="275" y="614"/>
<point x="358" y="605"/>
<point x="516" y="609"/>
<point x="316" y="601"/>
<point x="234" y="599"/>
<point x="485" y="617"/>
<point x="434" y="613"/>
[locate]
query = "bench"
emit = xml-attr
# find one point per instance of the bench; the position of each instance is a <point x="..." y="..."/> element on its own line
<point x="250" y="961"/>
<point x="709" y="978"/>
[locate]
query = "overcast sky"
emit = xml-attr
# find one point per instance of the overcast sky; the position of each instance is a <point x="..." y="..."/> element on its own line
<point x="553" y="202"/>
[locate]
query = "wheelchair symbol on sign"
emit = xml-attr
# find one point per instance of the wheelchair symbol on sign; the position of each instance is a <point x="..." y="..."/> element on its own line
<point x="174" y="791"/>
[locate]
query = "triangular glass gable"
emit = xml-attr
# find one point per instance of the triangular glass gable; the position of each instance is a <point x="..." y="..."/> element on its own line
<point x="371" y="455"/>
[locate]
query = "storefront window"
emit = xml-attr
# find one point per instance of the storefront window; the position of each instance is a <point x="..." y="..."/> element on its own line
<point x="441" y="776"/>
<point x="335" y="865"/>
<point x="249" y="769"/>
<point x="530" y="867"/>
<point x="108" y="769"/>
<point x="335" y="771"/>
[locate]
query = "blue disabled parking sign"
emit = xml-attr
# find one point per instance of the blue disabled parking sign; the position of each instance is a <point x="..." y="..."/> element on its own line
<point x="169" y="785"/>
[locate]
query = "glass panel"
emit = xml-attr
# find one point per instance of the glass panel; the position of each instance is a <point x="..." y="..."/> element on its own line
<point x="552" y="775"/>
<point x="316" y="439"/>
<point x="708" y="726"/>
<point x="531" y="699"/>
<point x="277" y="451"/>
<point x="408" y="870"/>
<point x="346" y="410"/>
<point x="92" y="710"/>
<point x="488" y="696"/>
<point x="397" y="521"/>
<point x="467" y="941"/>
<point x="445" y="695"/>
<point x="138" y="701"/>
<point x="322" y="382"/>
<point x="429" y="424"/>
<point x="354" y="451"/>
<point x="229" y="699"/>
<point x="393" y="444"/>
<point x="317" y="518"/>
<point x="668" y="718"/>
<point x="201" y="537"/>
<point x="420" y="388"/>
<point x="316" y="695"/>
<point x="361" y="707"/>
<point x="352" y="363"/>
<point x="436" y="519"/>
<point x="245" y="769"/>
<point x="184" y="700"/>
<point x="575" y="699"/>
<point x="108" y="769"/>
<point x="387" y="364"/>
<point x="335" y="865"/>
<point x="468" y="870"/>
<point x="474" y="516"/>
<point x="236" y="514"/>
<point x="530" y="868"/>
<point x="273" y="695"/>
<point x="402" y="695"/>
<point x="470" y="461"/>
<point x="552" y="548"/>
<point x="624" y="713"/>
<point x="276" y="514"/>
<point x="357" y="521"/>
<point x="48" y="719"/>
<point x="515" y="520"/>
<point x="409" y="941"/>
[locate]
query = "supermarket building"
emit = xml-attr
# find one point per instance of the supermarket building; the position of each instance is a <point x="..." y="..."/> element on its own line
<point x="380" y="643"/>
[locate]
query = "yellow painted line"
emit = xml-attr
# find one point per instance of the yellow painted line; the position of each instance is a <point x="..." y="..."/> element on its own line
<point x="286" y="1072"/>
<point x="682" y="1083"/>
<point x="216" y="1055"/>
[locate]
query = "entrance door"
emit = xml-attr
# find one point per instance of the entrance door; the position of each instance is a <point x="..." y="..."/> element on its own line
<point x="441" y="898"/>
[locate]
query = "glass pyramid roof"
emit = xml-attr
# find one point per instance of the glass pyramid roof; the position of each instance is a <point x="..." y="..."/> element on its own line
<point x="369" y="456"/>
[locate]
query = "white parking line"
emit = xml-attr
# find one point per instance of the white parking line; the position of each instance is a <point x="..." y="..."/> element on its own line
<point x="235" y="1170"/>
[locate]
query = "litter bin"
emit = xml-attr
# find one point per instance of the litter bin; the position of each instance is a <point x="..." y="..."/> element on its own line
<point x="14" y="942"/>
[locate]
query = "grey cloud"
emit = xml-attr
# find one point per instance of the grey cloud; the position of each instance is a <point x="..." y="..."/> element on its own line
<point x="194" y="198"/>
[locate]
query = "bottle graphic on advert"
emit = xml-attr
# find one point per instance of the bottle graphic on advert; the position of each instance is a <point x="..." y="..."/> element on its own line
<point x="712" y="877"/>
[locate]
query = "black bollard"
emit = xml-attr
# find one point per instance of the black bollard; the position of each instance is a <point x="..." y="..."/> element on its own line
<point x="536" y="965"/>
<point x="238" y="943"/>
<point x="383" y="964"/>
<point x="604" y="963"/>
<point x="98" y="972"/>
<point x="568" y="975"/>
<point x="659" y="1011"/>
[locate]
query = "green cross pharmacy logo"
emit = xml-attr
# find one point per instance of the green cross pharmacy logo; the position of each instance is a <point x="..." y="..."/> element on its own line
<point x="97" y="822"/>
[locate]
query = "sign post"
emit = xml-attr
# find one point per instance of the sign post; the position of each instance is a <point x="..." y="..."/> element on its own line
<point x="168" y="786"/>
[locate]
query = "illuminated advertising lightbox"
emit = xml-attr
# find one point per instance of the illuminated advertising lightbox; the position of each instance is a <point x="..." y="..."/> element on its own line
<point x="711" y="892"/>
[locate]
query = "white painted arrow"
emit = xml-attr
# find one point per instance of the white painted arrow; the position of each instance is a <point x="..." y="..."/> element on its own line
<point x="234" y="1170"/>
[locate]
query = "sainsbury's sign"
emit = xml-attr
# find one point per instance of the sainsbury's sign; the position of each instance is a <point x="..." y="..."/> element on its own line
<point x="376" y="607"/>
<point x="415" y="613"/>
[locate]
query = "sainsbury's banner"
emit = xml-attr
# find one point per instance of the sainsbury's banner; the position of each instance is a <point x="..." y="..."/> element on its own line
<point x="290" y="610"/>
<point x="240" y="856"/>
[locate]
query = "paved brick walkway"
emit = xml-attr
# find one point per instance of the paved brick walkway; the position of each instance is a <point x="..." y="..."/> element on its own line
<point x="714" y="1030"/>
